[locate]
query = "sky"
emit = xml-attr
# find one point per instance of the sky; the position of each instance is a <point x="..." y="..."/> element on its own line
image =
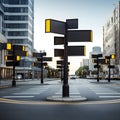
<point x="91" y="15"/>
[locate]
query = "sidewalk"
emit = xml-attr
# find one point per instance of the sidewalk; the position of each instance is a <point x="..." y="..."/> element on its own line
<point x="5" y="83"/>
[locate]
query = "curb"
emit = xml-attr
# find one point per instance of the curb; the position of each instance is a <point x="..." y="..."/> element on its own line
<point x="66" y="99"/>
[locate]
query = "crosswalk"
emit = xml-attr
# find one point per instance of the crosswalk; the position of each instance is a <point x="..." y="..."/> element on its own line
<point x="30" y="93"/>
<point x="101" y="92"/>
<point x="104" y="92"/>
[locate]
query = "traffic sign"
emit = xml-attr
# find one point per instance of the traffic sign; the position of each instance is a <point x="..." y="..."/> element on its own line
<point x="102" y="61"/>
<point x="19" y="47"/>
<point x="72" y="23"/>
<point x="44" y="59"/>
<point x="54" y="26"/>
<point x="96" y="66"/>
<point x="58" y="40"/>
<point x="76" y="50"/>
<point x="79" y="35"/>
<point x="58" y="52"/>
<point x="11" y="63"/>
<point x="39" y="54"/>
<point x="111" y="66"/>
<point x="38" y="64"/>
<point x="61" y="62"/>
<point x="21" y="53"/>
<point x="96" y="55"/>
<point x="72" y="51"/>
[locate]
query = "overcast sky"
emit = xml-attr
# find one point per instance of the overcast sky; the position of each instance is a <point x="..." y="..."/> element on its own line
<point x="92" y="15"/>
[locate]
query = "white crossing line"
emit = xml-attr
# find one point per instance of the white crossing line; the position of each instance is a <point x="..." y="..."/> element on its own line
<point x="26" y="93"/>
<point x="18" y="96"/>
<point x="110" y="93"/>
<point x="109" y="96"/>
<point x="70" y="93"/>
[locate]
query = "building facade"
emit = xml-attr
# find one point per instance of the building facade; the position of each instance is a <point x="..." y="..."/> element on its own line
<point x="111" y="38"/>
<point x="17" y="25"/>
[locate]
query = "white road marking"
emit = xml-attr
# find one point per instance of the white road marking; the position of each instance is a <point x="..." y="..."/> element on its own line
<point x="18" y="96"/>
<point x="109" y="96"/>
<point x="109" y="93"/>
<point x="25" y="93"/>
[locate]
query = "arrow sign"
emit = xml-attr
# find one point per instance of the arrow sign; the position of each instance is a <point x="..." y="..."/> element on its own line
<point x="11" y="63"/>
<point x="96" y="55"/>
<point x="76" y="50"/>
<point x="21" y="53"/>
<point x="45" y="59"/>
<point x="111" y="66"/>
<point x="39" y="54"/>
<point x="79" y="36"/>
<point x="54" y="26"/>
<point x="58" y="40"/>
<point x="72" y="51"/>
<point x="96" y="66"/>
<point x="58" y="52"/>
<point x="37" y="64"/>
<point x="102" y="61"/>
<point x="61" y="62"/>
<point x="72" y="23"/>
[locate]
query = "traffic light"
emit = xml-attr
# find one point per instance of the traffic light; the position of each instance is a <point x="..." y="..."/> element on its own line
<point x="8" y="46"/>
<point x="5" y="46"/>
<point x="10" y="57"/>
<point x="18" y="58"/>
<point x="112" y="56"/>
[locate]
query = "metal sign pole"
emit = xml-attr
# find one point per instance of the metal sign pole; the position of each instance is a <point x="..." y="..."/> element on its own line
<point x="65" y="82"/>
<point x="13" y="81"/>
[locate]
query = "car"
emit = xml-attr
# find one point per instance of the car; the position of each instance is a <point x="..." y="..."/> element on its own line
<point x="73" y="77"/>
<point x="19" y="76"/>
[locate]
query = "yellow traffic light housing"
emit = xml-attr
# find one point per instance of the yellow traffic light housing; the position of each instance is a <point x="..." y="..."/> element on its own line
<point x="84" y="50"/>
<point x="8" y="46"/>
<point x="26" y="54"/>
<point x="23" y="48"/>
<point x="18" y="58"/>
<point x="47" y="25"/>
<point x="112" y="56"/>
<point x="33" y="64"/>
<point x="91" y="36"/>
<point x="6" y="57"/>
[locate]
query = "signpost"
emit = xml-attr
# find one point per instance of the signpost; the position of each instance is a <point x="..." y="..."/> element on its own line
<point x="41" y="62"/>
<point x="97" y="61"/>
<point x="59" y="27"/>
<point x="108" y="58"/>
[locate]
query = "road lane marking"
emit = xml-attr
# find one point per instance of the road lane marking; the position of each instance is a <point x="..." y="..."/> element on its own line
<point x="109" y="96"/>
<point x="26" y="93"/>
<point x="18" y="96"/>
<point x="110" y="93"/>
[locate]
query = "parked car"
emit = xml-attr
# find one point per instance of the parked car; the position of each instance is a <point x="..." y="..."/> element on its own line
<point x="73" y="77"/>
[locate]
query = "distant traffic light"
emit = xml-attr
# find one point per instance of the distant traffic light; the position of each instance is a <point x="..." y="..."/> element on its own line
<point x="112" y="56"/>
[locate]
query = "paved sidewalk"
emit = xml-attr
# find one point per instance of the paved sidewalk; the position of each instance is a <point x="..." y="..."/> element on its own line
<point x="5" y="83"/>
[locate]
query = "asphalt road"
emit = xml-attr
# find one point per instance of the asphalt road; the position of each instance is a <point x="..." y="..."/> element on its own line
<point x="27" y="101"/>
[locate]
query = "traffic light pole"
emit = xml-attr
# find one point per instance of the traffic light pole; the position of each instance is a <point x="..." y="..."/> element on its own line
<point x="41" y="69"/>
<point x="65" y="81"/>
<point x="14" y="59"/>
<point x="97" y="70"/>
<point x="109" y="70"/>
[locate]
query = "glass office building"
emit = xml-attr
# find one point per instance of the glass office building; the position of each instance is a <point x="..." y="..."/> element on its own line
<point x="17" y="26"/>
<point x="19" y="22"/>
